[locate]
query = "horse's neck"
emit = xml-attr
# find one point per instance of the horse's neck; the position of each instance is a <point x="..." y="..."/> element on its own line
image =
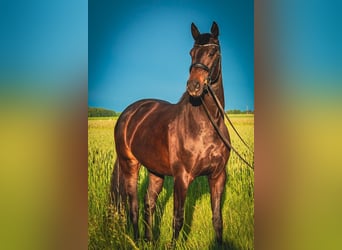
<point x="218" y="91"/>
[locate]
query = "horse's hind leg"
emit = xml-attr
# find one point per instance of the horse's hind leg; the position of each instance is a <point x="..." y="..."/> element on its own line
<point x="216" y="191"/>
<point x="155" y="185"/>
<point x="130" y="172"/>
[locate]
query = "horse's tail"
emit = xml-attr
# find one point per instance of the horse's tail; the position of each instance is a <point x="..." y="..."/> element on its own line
<point x="116" y="186"/>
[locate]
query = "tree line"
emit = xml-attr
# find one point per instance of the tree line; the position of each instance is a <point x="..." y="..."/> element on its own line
<point x="238" y="111"/>
<point x="100" y="112"/>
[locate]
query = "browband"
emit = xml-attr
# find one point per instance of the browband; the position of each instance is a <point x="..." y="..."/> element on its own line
<point x="205" y="45"/>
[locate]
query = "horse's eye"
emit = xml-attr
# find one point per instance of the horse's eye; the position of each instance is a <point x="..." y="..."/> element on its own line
<point x="212" y="52"/>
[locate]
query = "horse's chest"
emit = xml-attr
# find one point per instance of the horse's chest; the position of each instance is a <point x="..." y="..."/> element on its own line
<point x="202" y="148"/>
<point x="196" y="146"/>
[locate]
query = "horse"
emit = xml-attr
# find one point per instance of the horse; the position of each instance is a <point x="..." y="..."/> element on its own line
<point x="175" y="140"/>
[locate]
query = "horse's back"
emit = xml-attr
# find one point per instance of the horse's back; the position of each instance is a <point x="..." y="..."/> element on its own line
<point x="139" y="111"/>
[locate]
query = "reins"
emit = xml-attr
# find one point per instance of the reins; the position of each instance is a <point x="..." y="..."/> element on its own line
<point x="225" y="115"/>
<point x="207" y="85"/>
<point x="225" y="141"/>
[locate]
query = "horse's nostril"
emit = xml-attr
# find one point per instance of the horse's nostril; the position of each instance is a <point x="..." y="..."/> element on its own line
<point x="197" y="86"/>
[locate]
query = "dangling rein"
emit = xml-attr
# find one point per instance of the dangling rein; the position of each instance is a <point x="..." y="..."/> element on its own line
<point x="225" y="141"/>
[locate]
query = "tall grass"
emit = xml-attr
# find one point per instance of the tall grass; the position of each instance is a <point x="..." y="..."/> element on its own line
<point x="109" y="230"/>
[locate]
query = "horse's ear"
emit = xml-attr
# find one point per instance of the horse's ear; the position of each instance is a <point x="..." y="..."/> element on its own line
<point x="194" y="31"/>
<point x="214" y="30"/>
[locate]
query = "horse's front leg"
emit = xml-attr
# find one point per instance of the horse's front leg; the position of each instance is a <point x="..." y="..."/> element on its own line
<point x="155" y="185"/>
<point x="180" y="189"/>
<point x="217" y="185"/>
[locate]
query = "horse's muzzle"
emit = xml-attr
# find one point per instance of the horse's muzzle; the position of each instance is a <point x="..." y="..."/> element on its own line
<point x="194" y="88"/>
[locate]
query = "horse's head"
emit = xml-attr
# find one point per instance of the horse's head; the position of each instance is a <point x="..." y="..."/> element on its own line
<point x="205" y="60"/>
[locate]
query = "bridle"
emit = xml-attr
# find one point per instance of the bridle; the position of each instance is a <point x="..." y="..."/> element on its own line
<point x="210" y="70"/>
<point x="207" y="85"/>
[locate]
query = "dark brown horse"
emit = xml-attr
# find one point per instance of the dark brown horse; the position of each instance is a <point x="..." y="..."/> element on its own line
<point x="175" y="140"/>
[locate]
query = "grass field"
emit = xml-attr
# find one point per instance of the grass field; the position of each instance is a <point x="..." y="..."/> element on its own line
<point x="112" y="232"/>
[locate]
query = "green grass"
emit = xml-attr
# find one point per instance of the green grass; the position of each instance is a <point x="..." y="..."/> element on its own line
<point x="103" y="118"/>
<point x="113" y="232"/>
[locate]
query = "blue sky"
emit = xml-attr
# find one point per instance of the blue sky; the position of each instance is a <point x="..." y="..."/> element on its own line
<point x="140" y="49"/>
<point x="43" y="44"/>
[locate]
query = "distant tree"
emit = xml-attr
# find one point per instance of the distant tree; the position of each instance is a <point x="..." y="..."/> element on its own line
<point x="234" y="111"/>
<point x="100" y="112"/>
<point x="238" y="111"/>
